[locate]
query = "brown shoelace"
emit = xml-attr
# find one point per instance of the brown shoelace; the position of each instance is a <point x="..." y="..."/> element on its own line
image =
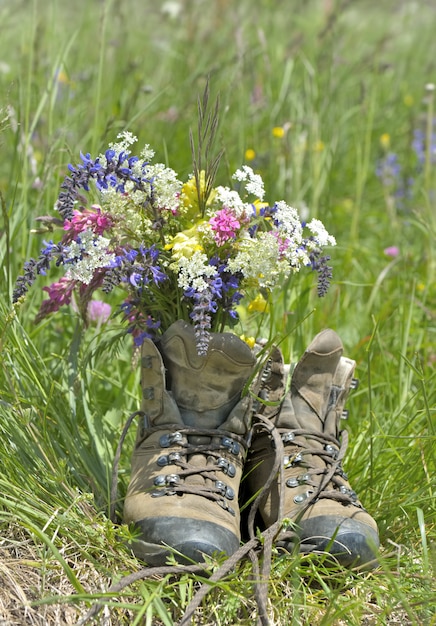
<point x="257" y="544"/>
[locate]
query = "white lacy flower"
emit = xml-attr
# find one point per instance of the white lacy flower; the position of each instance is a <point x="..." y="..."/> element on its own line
<point x="230" y="199"/>
<point x="147" y="153"/>
<point x="289" y="221"/>
<point x="193" y="271"/>
<point x="126" y="139"/>
<point x="166" y="187"/>
<point x="259" y="261"/>
<point x="320" y="234"/>
<point x="87" y="255"/>
<point x="253" y="182"/>
<point x="124" y="207"/>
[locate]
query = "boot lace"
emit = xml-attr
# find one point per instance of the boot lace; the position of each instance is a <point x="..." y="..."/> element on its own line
<point x="220" y="445"/>
<point x="253" y="548"/>
<point x="327" y="479"/>
<point x="219" y="442"/>
<point x="258" y="544"/>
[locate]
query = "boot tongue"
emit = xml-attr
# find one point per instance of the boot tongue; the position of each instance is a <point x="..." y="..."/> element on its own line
<point x="313" y="375"/>
<point x="205" y="388"/>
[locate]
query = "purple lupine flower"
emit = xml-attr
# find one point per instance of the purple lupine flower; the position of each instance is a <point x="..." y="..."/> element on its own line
<point x="419" y="145"/>
<point x="151" y="326"/>
<point x="140" y="326"/>
<point x="325" y="272"/>
<point x="389" y="170"/>
<point x="230" y="296"/>
<point x="137" y="269"/>
<point x="202" y="320"/>
<point x="114" y="174"/>
<point x="34" y="267"/>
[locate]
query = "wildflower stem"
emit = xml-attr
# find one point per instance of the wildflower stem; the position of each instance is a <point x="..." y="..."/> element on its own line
<point x="202" y="158"/>
<point x="429" y="136"/>
<point x="106" y="10"/>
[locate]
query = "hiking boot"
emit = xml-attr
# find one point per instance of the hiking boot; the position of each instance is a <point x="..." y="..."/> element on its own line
<point x="190" y="447"/>
<point x="319" y="501"/>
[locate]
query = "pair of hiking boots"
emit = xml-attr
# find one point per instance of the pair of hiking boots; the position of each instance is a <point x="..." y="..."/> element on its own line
<point x="201" y="434"/>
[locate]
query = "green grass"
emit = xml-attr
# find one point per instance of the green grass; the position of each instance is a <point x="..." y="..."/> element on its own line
<point x="336" y="76"/>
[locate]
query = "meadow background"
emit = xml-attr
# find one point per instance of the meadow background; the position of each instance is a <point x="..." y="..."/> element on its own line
<point x="332" y="101"/>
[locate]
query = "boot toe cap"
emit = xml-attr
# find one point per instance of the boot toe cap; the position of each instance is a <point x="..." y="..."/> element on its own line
<point x="189" y="540"/>
<point x="352" y="543"/>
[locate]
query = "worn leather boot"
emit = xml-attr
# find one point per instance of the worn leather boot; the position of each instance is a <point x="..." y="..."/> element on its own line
<point x="190" y="448"/>
<point x="319" y="501"/>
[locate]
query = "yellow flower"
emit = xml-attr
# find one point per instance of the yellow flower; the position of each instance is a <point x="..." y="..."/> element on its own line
<point x="278" y="131"/>
<point x="250" y="154"/>
<point x="250" y="341"/>
<point x="185" y="243"/>
<point x="348" y="205"/>
<point x="318" y="146"/>
<point x="259" y="304"/>
<point x="385" y="141"/>
<point x="189" y="196"/>
<point x="408" y="100"/>
<point x="62" y="77"/>
<point x="259" y="205"/>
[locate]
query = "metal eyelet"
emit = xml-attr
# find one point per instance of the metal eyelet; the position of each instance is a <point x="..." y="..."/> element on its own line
<point x="172" y="479"/>
<point x="287" y="437"/>
<point x="301" y="497"/>
<point x="340" y="472"/>
<point x="266" y="371"/>
<point x="224" y="490"/>
<point x="159" y="494"/>
<point x="223" y="504"/>
<point x="292" y="482"/>
<point x="170" y="438"/>
<point x="173" y="457"/>
<point x="349" y="492"/>
<point x="227" y="467"/>
<point x="291" y="461"/>
<point x="232" y="446"/>
<point x="304" y="478"/>
<point x="167" y="459"/>
<point x="331" y="450"/>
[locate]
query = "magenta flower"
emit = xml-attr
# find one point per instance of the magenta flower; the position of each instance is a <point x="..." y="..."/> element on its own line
<point x="283" y="242"/>
<point x="88" y="219"/>
<point x="392" y="251"/>
<point x="59" y="294"/>
<point x="99" y="311"/>
<point x="224" y="224"/>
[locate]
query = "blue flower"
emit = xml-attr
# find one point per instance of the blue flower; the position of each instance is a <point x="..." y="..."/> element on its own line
<point x="388" y="170"/>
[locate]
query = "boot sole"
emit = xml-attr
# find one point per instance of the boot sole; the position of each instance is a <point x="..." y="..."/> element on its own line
<point x="188" y="540"/>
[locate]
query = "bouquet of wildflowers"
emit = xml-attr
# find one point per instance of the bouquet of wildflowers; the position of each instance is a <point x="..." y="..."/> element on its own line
<point x="176" y="250"/>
